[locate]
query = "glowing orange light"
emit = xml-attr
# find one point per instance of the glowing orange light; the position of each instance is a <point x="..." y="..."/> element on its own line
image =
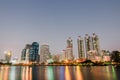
<point x="67" y="73"/>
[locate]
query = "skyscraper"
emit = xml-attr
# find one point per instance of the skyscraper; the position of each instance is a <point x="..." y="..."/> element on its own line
<point x="31" y="52"/>
<point x="69" y="49"/>
<point x="87" y="44"/>
<point x="80" y="44"/>
<point x="34" y="53"/>
<point x="69" y="54"/>
<point x="25" y="52"/>
<point x="69" y="42"/>
<point x="27" y="55"/>
<point x="44" y="53"/>
<point x="95" y="44"/>
<point x="92" y="46"/>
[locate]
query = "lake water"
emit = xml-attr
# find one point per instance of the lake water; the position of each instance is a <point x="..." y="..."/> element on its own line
<point x="59" y="73"/>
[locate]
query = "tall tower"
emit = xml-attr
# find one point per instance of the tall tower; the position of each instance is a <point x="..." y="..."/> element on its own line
<point x="23" y="54"/>
<point x="31" y="52"/>
<point x="44" y="53"/>
<point x="27" y="53"/>
<point x="95" y="44"/>
<point x="80" y="44"/>
<point x="69" y="49"/>
<point x="34" y="52"/>
<point x="69" y="42"/>
<point x="87" y="44"/>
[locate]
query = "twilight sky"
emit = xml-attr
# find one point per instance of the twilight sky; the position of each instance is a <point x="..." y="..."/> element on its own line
<point x="53" y="21"/>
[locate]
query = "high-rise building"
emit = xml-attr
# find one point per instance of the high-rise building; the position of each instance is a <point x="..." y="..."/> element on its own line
<point x="62" y="55"/>
<point x="44" y="53"/>
<point x="23" y="54"/>
<point x="87" y="44"/>
<point x="80" y="43"/>
<point x="69" y="54"/>
<point x="34" y="52"/>
<point x="69" y="49"/>
<point x="27" y="55"/>
<point x="31" y="52"/>
<point x="95" y="44"/>
<point x="69" y="42"/>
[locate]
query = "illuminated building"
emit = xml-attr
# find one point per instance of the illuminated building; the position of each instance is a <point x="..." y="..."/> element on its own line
<point x="31" y="53"/>
<point x="27" y="53"/>
<point x="68" y="54"/>
<point x="80" y="43"/>
<point x="87" y="44"/>
<point x="69" y="42"/>
<point x="23" y="54"/>
<point x="95" y="44"/>
<point x="44" y="53"/>
<point x="8" y="55"/>
<point x="62" y="55"/>
<point x="106" y="58"/>
<point x="92" y="47"/>
<point x="69" y="49"/>
<point x="34" y="52"/>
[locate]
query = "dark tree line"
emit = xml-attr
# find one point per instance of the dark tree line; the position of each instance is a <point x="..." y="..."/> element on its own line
<point x="115" y="56"/>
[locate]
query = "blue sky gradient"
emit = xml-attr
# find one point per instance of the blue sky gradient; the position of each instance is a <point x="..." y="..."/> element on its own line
<point x="53" y="21"/>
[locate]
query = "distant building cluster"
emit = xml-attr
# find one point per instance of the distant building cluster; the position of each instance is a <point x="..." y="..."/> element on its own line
<point x="31" y="53"/>
<point x="88" y="48"/>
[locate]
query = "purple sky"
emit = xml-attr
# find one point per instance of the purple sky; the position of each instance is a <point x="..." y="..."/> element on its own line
<point x="53" y="21"/>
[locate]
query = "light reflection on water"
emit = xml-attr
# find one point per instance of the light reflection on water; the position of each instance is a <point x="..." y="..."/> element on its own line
<point x="67" y="73"/>
<point x="26" y="73"/>
<point x="49" y="75"/>
<point x="78" y="73"/>
<point x="59" y="73"/>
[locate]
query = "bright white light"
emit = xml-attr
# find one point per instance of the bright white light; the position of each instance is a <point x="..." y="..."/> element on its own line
<point x="5" y="52"/>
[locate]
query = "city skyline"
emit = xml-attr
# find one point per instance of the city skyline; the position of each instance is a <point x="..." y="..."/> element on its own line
<point x="52" y="22"/>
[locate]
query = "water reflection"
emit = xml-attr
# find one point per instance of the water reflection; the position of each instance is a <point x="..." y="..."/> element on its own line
<point x="114" y="73"/>
<point x="78" y="74"/>
<point x="59" y="73"/>
<point x="5" y="73"/>
<point x="26" y="73"/>
<point x="67" y="73"/>
<point x="49" y="75"/>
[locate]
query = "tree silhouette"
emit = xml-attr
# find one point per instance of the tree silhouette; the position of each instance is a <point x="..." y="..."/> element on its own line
<point x="115" y="56"/>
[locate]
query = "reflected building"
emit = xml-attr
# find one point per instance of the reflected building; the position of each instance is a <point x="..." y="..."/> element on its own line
<point x="44" y="53"/>
<point x="80" y="43"/>
<point x="31" y="52"/>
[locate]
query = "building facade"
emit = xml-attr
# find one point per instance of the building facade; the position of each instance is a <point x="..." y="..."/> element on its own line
<point x="88" y="47"/>
<point x="87" y="44"/>
<point x="80" y="43"/>
<point x="44" y="53"/>
<point x="95" y="44"/>
<point x="69" y="49"/>
<point x="31" y="52"/>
